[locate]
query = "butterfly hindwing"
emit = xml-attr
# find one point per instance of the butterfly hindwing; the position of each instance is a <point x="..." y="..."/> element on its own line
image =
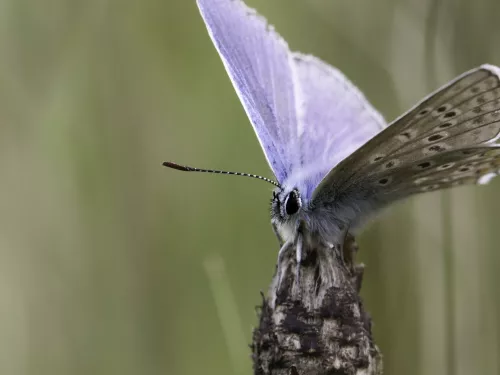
<point x="451" y="168"/>
<point x="448" y="139"/>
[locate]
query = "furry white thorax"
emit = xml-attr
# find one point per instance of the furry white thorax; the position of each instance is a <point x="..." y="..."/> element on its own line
<point x="325" y="223"/>
<point x="316" y="224"/>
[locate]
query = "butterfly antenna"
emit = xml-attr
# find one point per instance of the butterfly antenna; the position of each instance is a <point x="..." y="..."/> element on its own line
<point x="192" y="169"/>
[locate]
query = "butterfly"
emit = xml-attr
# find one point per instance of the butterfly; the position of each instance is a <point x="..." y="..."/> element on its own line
<point x="335" y="159"/>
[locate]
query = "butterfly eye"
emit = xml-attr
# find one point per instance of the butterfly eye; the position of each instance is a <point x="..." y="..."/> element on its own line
<point x="292" y="203"/>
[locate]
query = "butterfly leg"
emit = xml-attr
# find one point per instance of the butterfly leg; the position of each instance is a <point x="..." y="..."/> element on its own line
<point x="299" y="246"/>
<point x="281" y="253"/>
<point x="349" y="251"/>
<point x="298" y="255"/>
<point x="348" y="248"/>
<point x="276" y="233"/>
<point x="298" y="241"/>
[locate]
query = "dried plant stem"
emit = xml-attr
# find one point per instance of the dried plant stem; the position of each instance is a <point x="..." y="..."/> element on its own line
<point x="316" y="324"/>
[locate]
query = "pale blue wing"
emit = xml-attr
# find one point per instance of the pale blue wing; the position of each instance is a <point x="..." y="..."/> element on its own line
<point x="334" y="120"/>
<point x="259" y="65"/>
<point x="307" y="115"/>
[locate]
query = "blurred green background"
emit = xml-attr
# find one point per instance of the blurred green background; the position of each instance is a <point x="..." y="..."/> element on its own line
<point x="112" y="264"/>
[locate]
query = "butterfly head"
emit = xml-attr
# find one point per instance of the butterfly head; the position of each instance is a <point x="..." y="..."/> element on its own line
<point x="286" y="204"/>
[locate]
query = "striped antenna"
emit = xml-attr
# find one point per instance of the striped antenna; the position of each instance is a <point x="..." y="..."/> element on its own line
<point x="192" y="169"/>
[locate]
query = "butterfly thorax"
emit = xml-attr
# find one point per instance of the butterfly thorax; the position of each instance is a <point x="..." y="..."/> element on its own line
<point x="326" y="219"/>
<point x="292" y="213"/>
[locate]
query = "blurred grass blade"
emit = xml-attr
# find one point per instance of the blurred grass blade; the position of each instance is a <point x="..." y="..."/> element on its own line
<point x="228" y="314"/>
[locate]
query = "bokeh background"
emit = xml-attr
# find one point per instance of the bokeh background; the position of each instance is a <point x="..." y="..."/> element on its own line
<point x="112" y="264"/>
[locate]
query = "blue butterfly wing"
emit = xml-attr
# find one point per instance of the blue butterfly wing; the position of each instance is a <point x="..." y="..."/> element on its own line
<point x="450" y="138"/>
<point x="259" y="65"/>
<point x="306" y="114"/>
<point x="334" y="120"/>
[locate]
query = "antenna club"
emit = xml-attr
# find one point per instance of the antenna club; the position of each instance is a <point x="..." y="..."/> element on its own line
<point x="169" y="164"/>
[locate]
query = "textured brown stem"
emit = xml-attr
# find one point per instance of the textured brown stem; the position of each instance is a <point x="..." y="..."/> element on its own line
<point x="316" y="324"/>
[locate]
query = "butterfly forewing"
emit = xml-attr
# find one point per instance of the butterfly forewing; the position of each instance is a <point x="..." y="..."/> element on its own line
<point x="307" y="115"/>
<point x="334" y="117"/>
<point x="258" y="63"/>
<point x="448" y="139"/>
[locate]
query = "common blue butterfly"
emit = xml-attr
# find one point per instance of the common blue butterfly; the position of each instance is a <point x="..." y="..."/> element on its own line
<point x="335" y="159"/>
